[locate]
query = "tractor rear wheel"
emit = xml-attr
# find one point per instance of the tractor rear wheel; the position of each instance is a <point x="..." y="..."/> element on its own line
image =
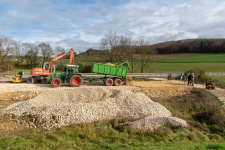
<point x="108" y="82"/>
<point x="56" y="82"/>
<point x="76" y="80"/>
<point x="30" y="80"/>
<point x="117" y="82"/>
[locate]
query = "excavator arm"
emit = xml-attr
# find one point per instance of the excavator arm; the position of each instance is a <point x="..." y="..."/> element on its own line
<point x="71" y="52"/>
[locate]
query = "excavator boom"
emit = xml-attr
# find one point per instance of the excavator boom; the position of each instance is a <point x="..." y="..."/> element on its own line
<point x="40" y="73"/>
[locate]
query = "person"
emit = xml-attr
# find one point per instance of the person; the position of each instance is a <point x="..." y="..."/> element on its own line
<point x="189" y="78"/>
<point x="192" y="79"/>
<point x="181" y="77"/>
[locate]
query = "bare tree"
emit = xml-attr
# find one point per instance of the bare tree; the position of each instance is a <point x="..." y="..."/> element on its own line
<point x="146" y="54"/>
<point x="17" y="45"/>
<point x="32" y="55"/>
<point x="46" y="51"/>
<point x="121" y="51"/>
<point x="108" y="42"/>
<point x="59" y="50"/>
<point x="6" y="47"/>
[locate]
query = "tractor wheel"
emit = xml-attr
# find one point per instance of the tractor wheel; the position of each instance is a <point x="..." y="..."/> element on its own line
<point x="45" y="81"/>
<point x="117" y="82"/>
<point x="76" y="80"/>
<point x="30" y="80"/>
<point x="56" y="82"/>
<point x="108" y="82"/>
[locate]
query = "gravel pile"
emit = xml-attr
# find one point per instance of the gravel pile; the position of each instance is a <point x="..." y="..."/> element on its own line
<point x="150" y="124"/>
<point x="60" y="107"/>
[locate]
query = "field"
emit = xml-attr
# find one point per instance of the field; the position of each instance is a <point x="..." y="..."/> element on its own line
<point x="214" y="58"/>
<point x="162" y="63"/>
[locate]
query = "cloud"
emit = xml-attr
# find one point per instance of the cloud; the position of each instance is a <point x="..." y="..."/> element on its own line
<point x="81" y="24"/>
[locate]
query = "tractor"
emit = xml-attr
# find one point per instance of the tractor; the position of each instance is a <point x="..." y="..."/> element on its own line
<point x="70" y="75"/>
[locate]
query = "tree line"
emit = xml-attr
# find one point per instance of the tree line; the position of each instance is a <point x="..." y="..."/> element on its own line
<point x="32" y="54"/>
<point x="191" y="46"/>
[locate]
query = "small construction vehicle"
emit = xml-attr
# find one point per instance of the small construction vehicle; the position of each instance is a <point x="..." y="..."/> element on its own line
<point x="43" y="74"/>
<point x="114" y="75"/>
<point x="210" y="84"/>
<point x="169" y="77"/>
<point x="70" y="75"/>
<point x="17" y="78"/>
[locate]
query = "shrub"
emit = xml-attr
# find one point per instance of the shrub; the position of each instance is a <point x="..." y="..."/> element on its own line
<point x="200" y="75"/>
<point x="4" y="66"/>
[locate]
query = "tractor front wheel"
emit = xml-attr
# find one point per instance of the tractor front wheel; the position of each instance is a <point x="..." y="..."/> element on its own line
<point x="56" y="82"/>
<point x="76" y="81"/>
<point x="108" y="82"/>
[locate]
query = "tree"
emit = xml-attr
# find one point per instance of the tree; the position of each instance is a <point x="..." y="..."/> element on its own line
<point x="6" y="47"/>
<point x="46" y="51"/>
<point x="108" y="42"/>
<point x="32" y="55"/>
<point x="146" y="54"/>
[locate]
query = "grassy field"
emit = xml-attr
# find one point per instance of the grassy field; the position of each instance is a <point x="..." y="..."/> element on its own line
<point x="167" y="63"/>
<point x="197" y="59"/>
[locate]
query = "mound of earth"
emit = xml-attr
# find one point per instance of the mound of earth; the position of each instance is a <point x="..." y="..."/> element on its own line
<point x="64" y="106"/>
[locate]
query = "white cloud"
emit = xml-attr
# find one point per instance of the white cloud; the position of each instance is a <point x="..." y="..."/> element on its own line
<point x="82" y="24"/>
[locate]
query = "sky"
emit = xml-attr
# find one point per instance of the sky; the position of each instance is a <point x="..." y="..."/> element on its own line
<point x="80" y="24"/>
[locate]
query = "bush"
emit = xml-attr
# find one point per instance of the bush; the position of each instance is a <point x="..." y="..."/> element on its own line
<point x="84" y="68"/>
<point x="200" y="75"/>
<point x="4" y="66"/>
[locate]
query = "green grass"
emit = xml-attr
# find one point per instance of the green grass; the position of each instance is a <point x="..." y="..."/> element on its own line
<point x="167" y="63"/>
<point x="198" y="59"/>
<point x="107" y="135"/>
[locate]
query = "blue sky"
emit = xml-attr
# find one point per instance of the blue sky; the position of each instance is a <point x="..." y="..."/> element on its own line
<point x="80" y="24"/>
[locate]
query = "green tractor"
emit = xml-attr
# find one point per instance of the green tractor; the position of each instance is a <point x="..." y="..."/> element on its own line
<point x="70" y="75"/>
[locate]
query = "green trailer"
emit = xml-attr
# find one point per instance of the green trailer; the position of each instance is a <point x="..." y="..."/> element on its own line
<point x="114" y="75"/>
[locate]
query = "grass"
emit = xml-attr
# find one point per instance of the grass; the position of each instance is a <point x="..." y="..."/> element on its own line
<point x="107" y="135"/>
<point x="163" y="63"/>
<point x="198" y="59"/>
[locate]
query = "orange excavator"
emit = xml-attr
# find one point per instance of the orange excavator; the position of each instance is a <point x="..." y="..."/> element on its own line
<point x="43" y="74"/>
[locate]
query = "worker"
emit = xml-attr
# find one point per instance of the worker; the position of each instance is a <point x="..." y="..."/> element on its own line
<point x="182" y="76"/>
<point x="130" y="78"/>
<point x="189" y="78"/>
<point x="192" y="79"/>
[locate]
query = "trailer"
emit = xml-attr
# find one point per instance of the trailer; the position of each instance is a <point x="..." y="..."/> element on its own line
<point x="114" y="74"/>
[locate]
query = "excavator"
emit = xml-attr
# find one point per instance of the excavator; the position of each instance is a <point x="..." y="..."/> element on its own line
<point x="43" y="74"/>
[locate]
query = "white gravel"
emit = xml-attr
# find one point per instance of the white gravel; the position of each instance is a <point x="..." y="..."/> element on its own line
<point x="63" y="106"/>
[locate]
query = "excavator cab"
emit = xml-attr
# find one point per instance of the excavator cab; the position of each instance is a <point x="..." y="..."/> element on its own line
<point x="46" y="66"/>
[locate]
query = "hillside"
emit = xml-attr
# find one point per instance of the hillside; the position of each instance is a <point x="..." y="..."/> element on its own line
<point x="180" y="46"/>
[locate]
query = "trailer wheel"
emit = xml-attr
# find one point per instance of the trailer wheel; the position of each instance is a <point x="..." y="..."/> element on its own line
<point x="56" y="82"/>
<point x="117" y="82"/>
<point x="30" y="80"/>
<point x="76" y="80"/>
<point x="108" y="82"/>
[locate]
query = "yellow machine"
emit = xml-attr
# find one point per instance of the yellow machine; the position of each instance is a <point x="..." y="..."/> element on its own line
<point x="17" y="79"/>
